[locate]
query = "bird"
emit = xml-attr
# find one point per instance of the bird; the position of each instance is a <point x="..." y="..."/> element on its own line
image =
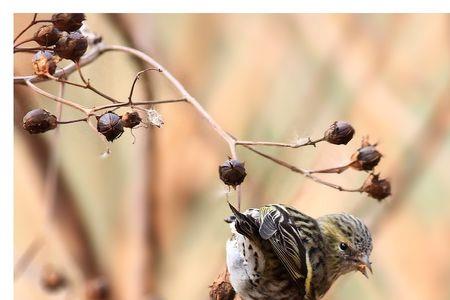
<point x="277" y="252"/>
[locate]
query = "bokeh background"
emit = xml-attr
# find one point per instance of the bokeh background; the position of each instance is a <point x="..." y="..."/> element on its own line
<point x="149" y="218"/>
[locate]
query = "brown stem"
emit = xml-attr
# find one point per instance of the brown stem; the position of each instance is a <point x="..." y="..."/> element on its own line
<point x="89" y="86"/>
<point x="136" y="78"/>
<point x="304" y="172"/>
<point x="32" y="49"/>
<point x="73" y="121"/>
<point x="33" y="21"/>
<point x="150" y="102"/>
<point x="337" y="170"/>
<point x="56" y="98"/>
<point x="84" y="86"/>
<point x="298" y="144"/>
<point x="24" y="41"/>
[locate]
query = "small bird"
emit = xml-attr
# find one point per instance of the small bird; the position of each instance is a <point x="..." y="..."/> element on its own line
<point x="276" y="252"/>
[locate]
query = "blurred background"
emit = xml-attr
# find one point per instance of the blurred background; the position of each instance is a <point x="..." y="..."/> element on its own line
<point x="149" y="218"/>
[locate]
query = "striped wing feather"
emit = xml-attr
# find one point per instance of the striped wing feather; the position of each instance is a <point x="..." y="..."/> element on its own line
<point x="278" y="228"/>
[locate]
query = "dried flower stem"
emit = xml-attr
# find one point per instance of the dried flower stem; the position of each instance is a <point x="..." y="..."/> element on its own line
<point x="24" y="41"/>
<point x="337" y="170"/>
<point x="139" y="103"/>
<point x="57" y="99"/>
<point x="32" y="49"/>
<point x="136" y="78"/>
<point x="306" y="173"/>
<point x="89" y="86"/>
<point x="73" y="121"/>
<point x="32" y="23"/>
<point x="298" y="144"/>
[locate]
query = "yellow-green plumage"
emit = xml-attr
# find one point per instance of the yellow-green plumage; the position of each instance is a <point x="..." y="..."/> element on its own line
<point x="277" y="252"/>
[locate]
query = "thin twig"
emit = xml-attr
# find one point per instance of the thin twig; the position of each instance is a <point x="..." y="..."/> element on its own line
<point x="337" y="170"/>
<point x="85" y="86"/>
<point x="57" y="99"/>
<point x="73" y="121"/>
<point x="150" y="102"/>
<point x="24" y="41"/>
<point x="89" y="86"/>
<point x="136" y="78"/>
<point x="298" y="144"/>
<point x="304" y="172"/>
<point x="26" y="28"/>
<point x="32" y="49"/>
<point x="33" y="22"/>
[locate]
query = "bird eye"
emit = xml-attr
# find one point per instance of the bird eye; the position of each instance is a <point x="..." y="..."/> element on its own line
<point x="343" y="246"/>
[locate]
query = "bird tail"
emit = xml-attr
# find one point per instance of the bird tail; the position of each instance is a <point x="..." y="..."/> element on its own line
<point x="244" y="224"/>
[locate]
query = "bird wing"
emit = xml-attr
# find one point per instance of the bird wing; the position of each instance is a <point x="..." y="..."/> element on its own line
<point x="277" y="227"/>
<point x="245" y="225"/>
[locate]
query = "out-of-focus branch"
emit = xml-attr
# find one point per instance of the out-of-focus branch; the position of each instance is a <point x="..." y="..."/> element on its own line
<point x="66" y="216"/>
<point x="142" y="257"/>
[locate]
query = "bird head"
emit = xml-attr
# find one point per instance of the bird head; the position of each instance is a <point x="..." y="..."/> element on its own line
<point x="348" y="242"/>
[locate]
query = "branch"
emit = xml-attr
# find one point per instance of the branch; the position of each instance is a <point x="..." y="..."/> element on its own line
<point x="136" y="78"/>
<point x="304" y="172"/>
<point x="139" y="103"/>
<point x="26" y="28"/>
<point x="89" y="86"/>
<point x="298" y="144"/>
<point x="32" y="23"/>
<point x="32" y="49"/>
<point x="231" y="141"/>
<point x="57" y="99"/>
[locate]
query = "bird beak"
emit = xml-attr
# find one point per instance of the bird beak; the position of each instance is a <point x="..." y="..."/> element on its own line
<point x="364" y="264"/>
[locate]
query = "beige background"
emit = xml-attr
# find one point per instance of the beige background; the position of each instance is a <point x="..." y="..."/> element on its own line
<point x="262" y="77"/>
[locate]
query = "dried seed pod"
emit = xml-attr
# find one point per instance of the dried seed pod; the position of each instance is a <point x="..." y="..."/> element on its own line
<point x="71" y="46"/>
<point x="131" y="119"/>
<point x="377" y="188"/>
<point x="68" y="22"/>
<point x="97" y="289"/>
<point x="52" y="280"/>
<point x="339" y="133"/>
<point x="38" y="121"/>
<point x="110" y="125"/>
<point x="366" y="157"/>
<point x="47" y="35"/>
<point x="232" y="172"/>
<point x="44" y="62"/>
